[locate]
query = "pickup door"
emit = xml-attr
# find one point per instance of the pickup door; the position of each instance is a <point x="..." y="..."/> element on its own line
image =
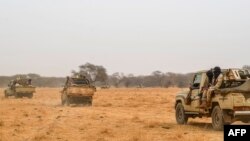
<point x="195" y="94"/>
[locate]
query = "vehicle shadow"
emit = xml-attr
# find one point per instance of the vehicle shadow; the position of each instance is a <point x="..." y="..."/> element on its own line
<point x="201" y="125"/>
<point x="79" y="105"/>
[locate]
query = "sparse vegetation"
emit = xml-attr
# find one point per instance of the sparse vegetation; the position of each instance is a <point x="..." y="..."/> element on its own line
<point x="1" y="123"/>
<point x="105" y="81"/>
<point x="98" y="74"/>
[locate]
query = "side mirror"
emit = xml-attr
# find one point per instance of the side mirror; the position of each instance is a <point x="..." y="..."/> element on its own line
<point x="196" y="85"/>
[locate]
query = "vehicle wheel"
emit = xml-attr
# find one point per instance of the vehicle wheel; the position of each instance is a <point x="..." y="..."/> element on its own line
<point x="90" y="101"/>
<point x="217" y="118"/>
<point x="5" y="94"/>
<point x="16" y="95"/>
<point x="181" y="117"/>
<point x="65" y="100"/>
<point x="30" y="96"/>
<point x="62" y="99"/>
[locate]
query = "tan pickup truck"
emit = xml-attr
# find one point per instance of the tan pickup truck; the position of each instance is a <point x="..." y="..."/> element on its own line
<point x="229" y="104"/>
<point x="77" y="90"/>
<point x="20" y="88"/>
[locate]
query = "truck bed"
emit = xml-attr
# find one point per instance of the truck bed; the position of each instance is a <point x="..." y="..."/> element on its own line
<point x="81" y="91"/>
<point x="25" y="89"/>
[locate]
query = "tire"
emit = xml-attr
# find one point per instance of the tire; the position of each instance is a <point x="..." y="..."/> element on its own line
<point x="217" y="118"/>
<point x="65" y="99"/>
<point x="30" y="96"/>
<point x="67" y="102"/>
<point x="5" y="94"/>
<point x="87" y="101"/>
<point x="181" y="117"/>
<point x="62" y="99"/>
<point x="90" y="101"/>
<point x="16" y="95"/>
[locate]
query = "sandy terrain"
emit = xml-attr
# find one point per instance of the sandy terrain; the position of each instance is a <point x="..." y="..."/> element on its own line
<point x="116" y="115"/>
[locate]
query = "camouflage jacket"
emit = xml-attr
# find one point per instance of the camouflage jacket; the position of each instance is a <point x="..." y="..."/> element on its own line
<point x="218" y="82"/>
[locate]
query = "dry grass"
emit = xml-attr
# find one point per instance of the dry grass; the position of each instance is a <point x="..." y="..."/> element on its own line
<point x="1" y="123"/>
<point x="116" y="115"/>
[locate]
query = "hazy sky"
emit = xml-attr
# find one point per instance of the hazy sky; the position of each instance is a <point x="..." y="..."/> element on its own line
<point x="52" y="37"/>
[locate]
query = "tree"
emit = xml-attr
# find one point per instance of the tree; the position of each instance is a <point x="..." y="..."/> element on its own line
<point x="129" y="80"/>
<point x="159" y="77"/>
<point x="92" y="72"/>
<point x="116" y="79"/>
<point x="33" y="75"/>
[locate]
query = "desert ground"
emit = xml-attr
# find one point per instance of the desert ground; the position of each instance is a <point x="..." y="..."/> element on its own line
<point x="143" y="114"/>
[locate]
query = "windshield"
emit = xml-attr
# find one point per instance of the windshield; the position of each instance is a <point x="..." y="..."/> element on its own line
<point x="23" y="82"/>
<point x="80" y="81"/>
<point x="197" y="79"/>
